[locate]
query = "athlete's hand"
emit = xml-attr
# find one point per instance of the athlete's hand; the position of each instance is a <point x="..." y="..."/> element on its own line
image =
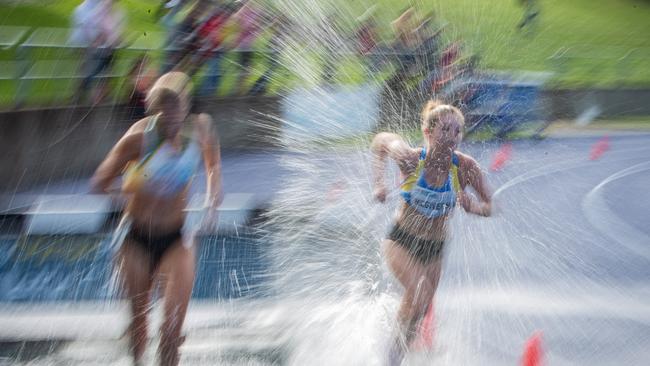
<point x="482" y="209"/>
<point x="472" y="206"/>
<point x="380" y="194"/>
<point x="465" y="201"/>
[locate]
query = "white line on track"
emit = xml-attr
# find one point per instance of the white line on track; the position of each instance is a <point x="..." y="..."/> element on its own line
<point x="554" y="168"/>
<point x="604" y="220"/>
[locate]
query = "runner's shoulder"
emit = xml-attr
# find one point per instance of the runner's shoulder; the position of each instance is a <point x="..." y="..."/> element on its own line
<point x="138" y="127"/>
<point x="466" y="162"/>
<point x="132" y="139"/>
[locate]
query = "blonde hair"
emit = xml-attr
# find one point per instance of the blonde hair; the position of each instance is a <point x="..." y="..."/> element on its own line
<point x="434" y="109"/>
<point x="173" y="85"/>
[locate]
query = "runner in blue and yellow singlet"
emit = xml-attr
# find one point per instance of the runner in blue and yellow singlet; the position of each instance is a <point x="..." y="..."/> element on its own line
<point x="435" y="178"/>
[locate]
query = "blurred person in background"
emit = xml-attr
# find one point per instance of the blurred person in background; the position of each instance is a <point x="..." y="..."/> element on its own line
<point x="462" y="90"/>
<point x="366" y="40"/>
<point x="435" y="177"/>
<point x="171" y="8"/>
<point x="83" y="22"/>
<point x="181" y="38"/>
<point x="404" y="26"/>
<point x="403" y="47"/>
<point x="375" y="52"/>
<point x="99" y="25"/>
<point x="161" y="153"/>
<point x="448" y="68"/>
<point x="281" y="33"/>
<point x="140" y="78"/>
<point x="428" y="35"/>
<point x="249" y="22"/>
<point x="210" y="45"/>
<point x="366" y="33"/>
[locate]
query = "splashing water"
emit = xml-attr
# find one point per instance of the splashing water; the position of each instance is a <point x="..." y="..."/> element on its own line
<point x="535" y="265"/>
<point x="548" y="260"/>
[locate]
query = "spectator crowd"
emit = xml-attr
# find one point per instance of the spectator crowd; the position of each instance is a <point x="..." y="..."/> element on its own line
<point x="201" y="33"/>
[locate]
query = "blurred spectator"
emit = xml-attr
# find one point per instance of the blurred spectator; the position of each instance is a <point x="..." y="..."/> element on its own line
<point x="366" y="34"/>
<point x="404" y="27"/>
<point x="84" y="30"/>
<point x="248" y="20"/>
<point x="456" y="84"/>
<point x="102" y="23"/>
<point x="405" y="40"/>
<point x="141" y="76"/>
<point x="280" y="34"/>
<point x="172" y="7"/>
<point x="446" y="70"/>
<point x="373" y="52"/>
<point x="211" y="47"/>
<point x="181" y="38"/>
<point x="403" y="48"/>
<point x="427" y="36"/>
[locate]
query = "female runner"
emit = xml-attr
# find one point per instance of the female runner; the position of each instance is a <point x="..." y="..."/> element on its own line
<point x="436" y="176"/>
<point x="161" y="154"/>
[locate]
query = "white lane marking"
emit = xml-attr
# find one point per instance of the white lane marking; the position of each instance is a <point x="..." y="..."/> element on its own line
<point x="554" y="168"/>
<point x="592" y="301"/>
<point x="605" y="221"/>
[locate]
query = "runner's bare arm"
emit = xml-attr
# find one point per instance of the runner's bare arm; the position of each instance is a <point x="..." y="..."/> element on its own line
<point x="126" y="149"/>
<point x="470" y="174"/>
<point x="389" y="145"/>
<point x="209" y="141"/>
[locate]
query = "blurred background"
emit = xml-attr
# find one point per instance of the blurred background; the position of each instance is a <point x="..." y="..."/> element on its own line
<point x="556" y="96"/>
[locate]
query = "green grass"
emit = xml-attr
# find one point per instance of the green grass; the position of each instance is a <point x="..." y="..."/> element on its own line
<point x="597" y="34"/>
<point x="57" y="13"/>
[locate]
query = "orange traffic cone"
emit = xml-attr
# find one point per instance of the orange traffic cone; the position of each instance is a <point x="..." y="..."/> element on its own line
<point x="501" y="157"/>
<point x="533" y="351"/>
<point x="599" y="148"/>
